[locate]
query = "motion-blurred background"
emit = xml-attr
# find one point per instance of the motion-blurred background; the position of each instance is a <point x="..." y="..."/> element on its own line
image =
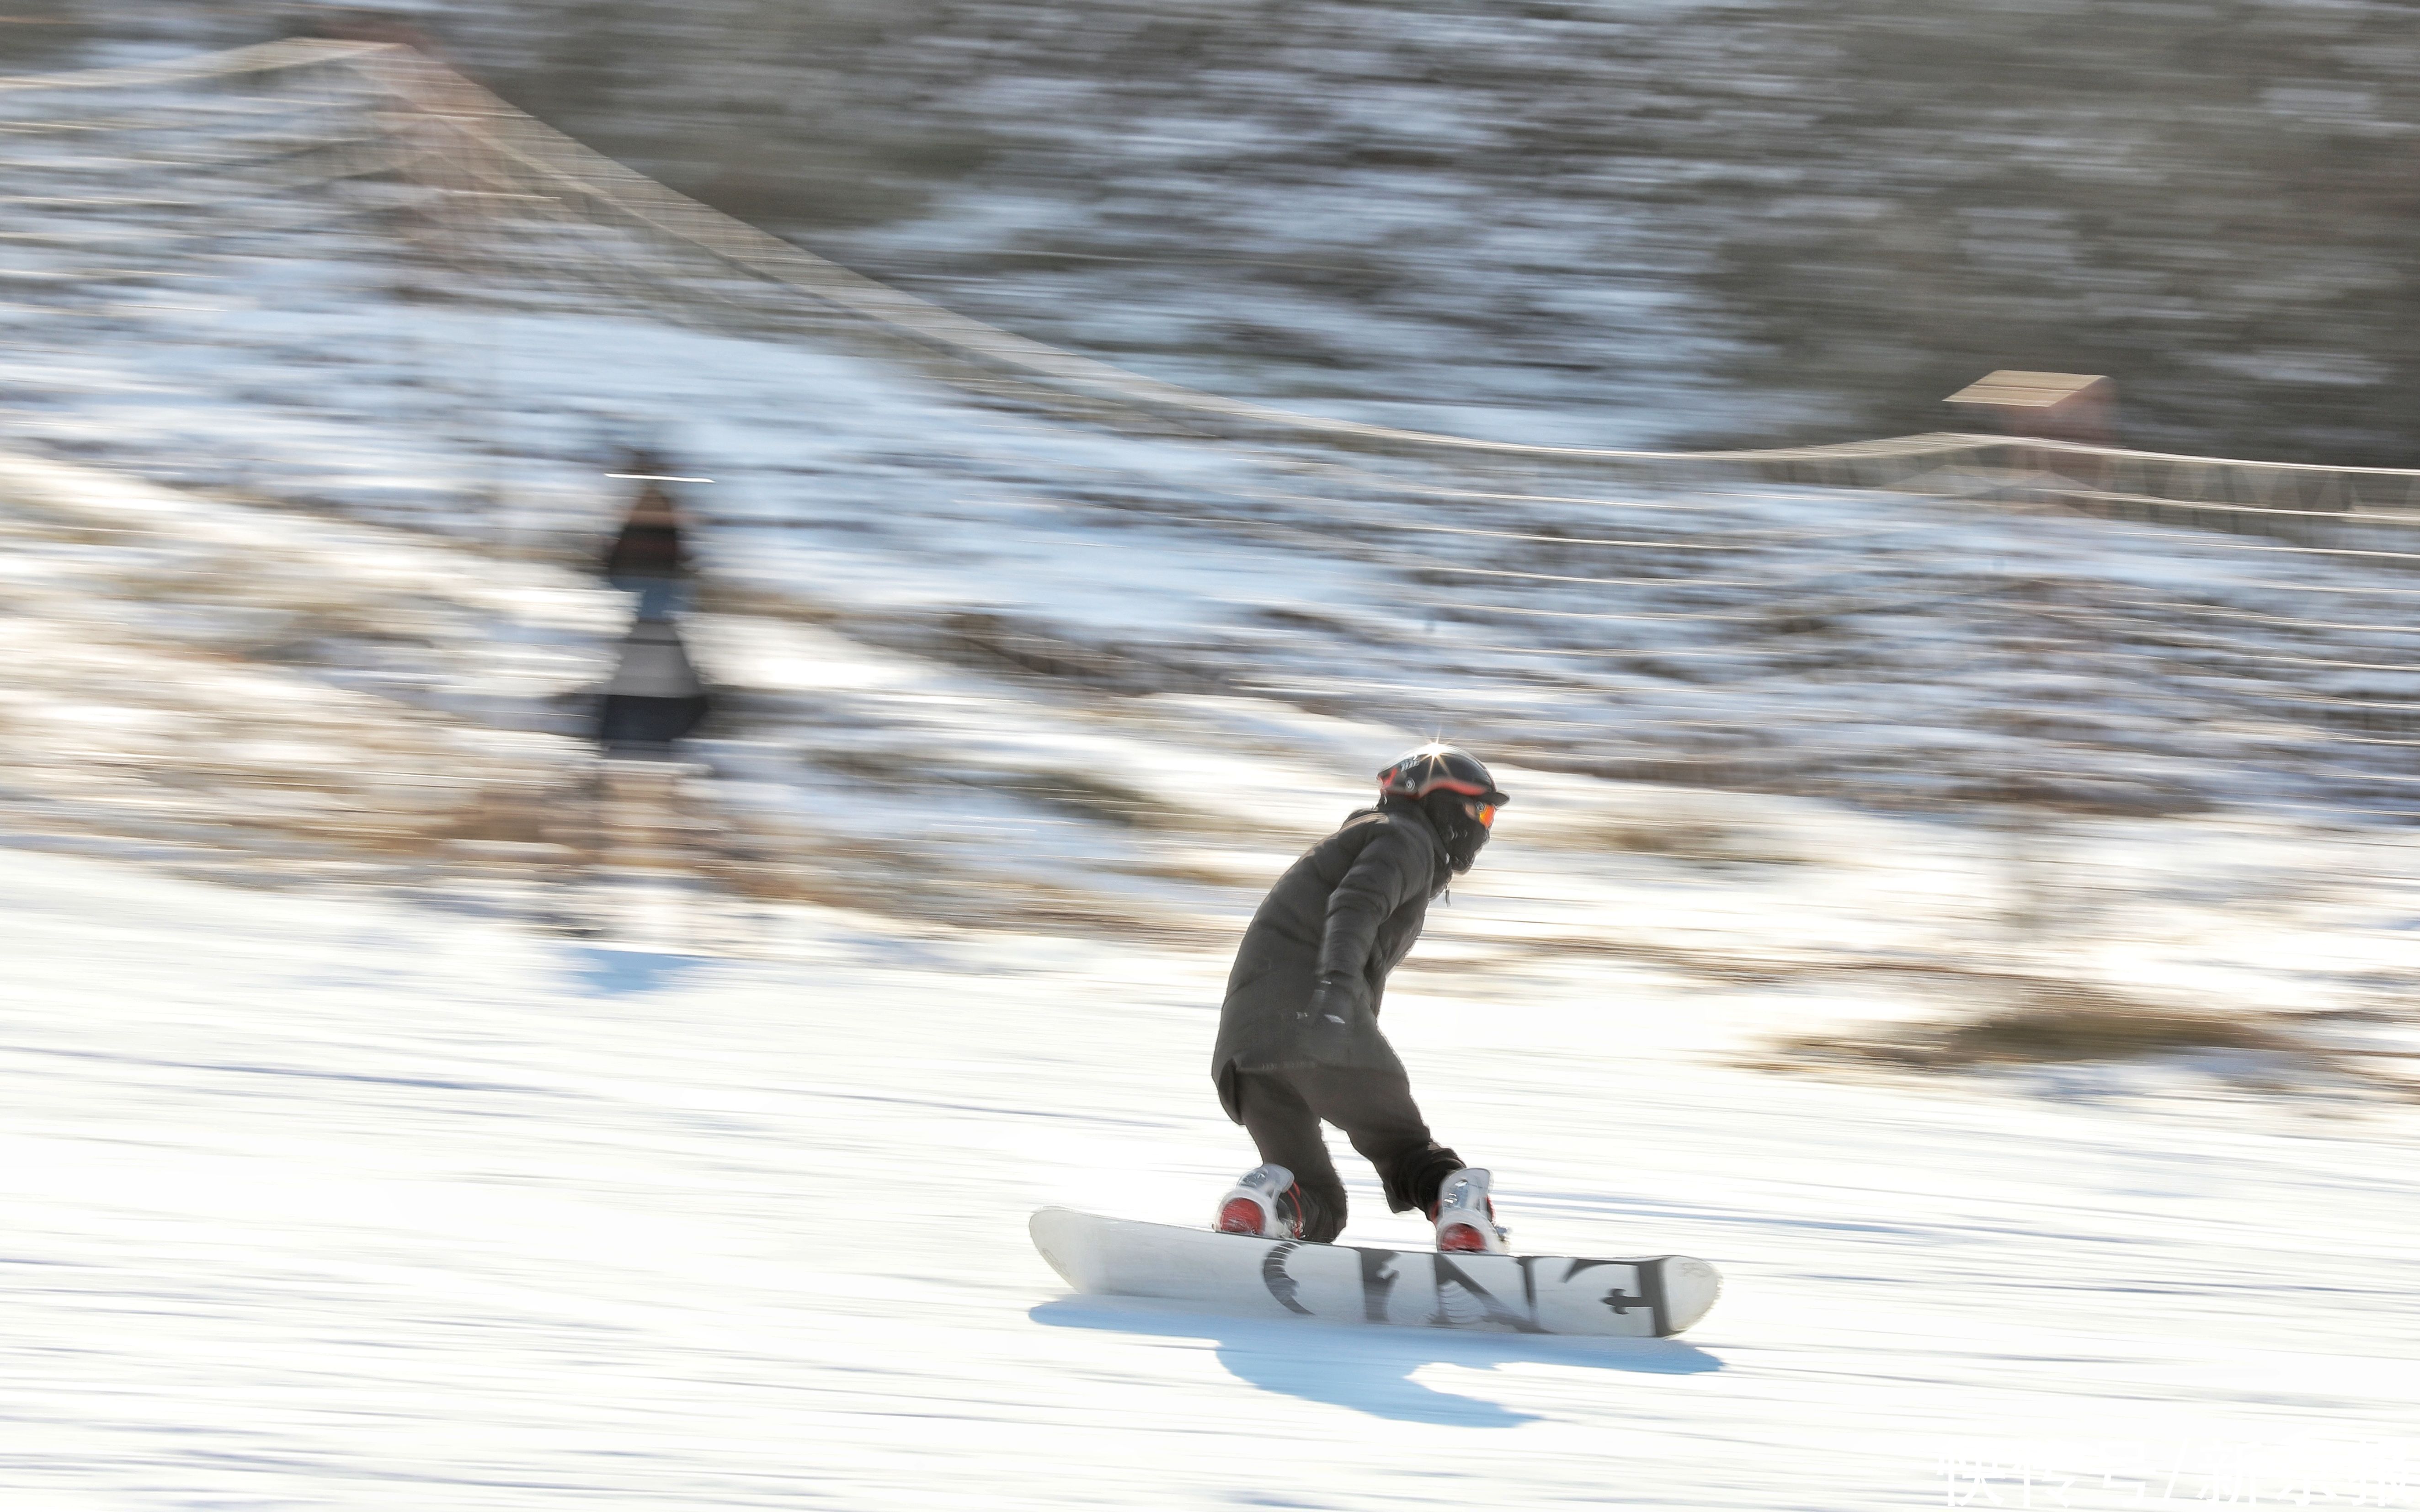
<point x="611" y="608"/>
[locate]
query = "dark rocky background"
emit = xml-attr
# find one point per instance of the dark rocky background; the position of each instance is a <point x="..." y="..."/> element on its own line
<point x="1717" y="223"/>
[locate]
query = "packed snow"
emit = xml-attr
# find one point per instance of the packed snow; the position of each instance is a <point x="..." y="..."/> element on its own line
<point x="317" y="1201"/>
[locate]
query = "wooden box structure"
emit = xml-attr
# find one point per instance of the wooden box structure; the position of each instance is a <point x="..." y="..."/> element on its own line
<point x="2063" y="406"/>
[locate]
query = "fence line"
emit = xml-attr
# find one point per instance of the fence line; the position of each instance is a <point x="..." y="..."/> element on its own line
<point x="2284" y="499"/>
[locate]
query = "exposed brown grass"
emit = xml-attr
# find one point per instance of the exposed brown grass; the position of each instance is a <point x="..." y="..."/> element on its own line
<point x="2062" y="1023"/>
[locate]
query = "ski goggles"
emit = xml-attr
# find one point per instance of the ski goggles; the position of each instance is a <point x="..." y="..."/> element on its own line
<point x="1483" y="812"/>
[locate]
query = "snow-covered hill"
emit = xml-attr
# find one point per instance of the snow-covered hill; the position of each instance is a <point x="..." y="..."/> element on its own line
<point x="1699" y="223"/>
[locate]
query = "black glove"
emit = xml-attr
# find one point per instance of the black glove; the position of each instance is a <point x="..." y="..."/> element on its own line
<point x="1340" y="1001"/>
<point x="1341" y="995"/>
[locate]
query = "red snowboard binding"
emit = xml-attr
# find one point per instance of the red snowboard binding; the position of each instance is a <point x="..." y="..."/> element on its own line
<point x="1263" y="1203"/>
<point x="1466" y="1216"/>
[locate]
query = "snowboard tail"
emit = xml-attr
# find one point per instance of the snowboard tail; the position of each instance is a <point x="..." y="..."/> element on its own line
<point x="1651" y="1297"/>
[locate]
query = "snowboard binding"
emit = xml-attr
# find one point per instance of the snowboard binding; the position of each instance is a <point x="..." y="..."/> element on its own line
<point x="1263" y="1203"/>
<point x="1466" y="1216"/>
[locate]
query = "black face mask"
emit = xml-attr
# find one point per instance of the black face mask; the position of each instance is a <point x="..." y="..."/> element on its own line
<point x="1462" y="834"/>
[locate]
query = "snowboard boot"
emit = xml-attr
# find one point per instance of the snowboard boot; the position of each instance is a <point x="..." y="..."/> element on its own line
<point x="1263" y="1203"/>
<point x="1466" y="1216"/>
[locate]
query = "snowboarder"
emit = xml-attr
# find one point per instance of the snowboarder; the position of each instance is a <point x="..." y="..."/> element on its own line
<point x="1299" y="1039"/>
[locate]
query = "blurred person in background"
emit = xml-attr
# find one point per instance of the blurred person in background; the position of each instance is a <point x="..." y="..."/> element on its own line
<point x="648" y="557"/>
<point x="656" y="696"/>
<point x="1299" y="1040"/>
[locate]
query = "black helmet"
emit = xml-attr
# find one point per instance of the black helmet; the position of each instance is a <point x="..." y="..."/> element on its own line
<point x="1435" y="768"/>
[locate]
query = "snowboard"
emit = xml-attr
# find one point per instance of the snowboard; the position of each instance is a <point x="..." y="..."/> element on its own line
<point x="1651" y="1297"/>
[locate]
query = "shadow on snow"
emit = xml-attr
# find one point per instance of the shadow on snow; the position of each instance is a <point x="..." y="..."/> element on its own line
<point x="609" y="971"/>
<point x="1369" y="1369"/>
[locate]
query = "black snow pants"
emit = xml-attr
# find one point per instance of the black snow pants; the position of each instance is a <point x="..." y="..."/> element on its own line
<point x="1282" y="1110"/>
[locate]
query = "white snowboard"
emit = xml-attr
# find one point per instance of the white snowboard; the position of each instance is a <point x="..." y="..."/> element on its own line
<point x="1520" y="1293"/>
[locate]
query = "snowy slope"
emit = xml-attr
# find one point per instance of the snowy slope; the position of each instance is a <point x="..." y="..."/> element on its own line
<point x="312" y="1203"/>
<point x="288" y="697"/>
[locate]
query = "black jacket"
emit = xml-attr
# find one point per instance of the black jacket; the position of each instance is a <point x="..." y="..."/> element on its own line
<point x="650" y="543"/>
<point x="1354" y="904"/>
